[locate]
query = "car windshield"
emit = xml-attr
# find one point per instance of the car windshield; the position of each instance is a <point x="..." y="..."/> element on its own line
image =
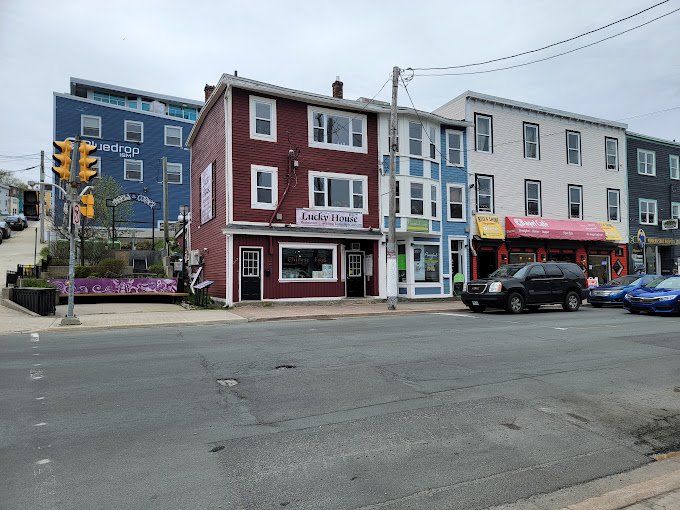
<point x="509" y="270"/>
<point x="664" y="283"/>
<point x="11" y="218"/>
<point x="624" y="280"/>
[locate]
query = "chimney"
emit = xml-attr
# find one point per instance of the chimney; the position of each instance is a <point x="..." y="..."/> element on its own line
<point x="208" y="90"/>
<point x="337" y="88"/>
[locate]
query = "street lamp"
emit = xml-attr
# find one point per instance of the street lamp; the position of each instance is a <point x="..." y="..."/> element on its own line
<point x="183" y="212"/>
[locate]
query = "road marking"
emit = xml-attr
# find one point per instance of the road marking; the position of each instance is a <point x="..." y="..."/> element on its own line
<point x="36" y="364"/>
<point x="36" y="354"/>
<point x="35" y="337"/>
<point x="561" y="329"/>
<point x="456" y="315"/>
<point x="35" y="346"/>
<point x="36" y="374"/>
<point x="43" y="461"/>
<point x="40" y="398"/>
<point x="41" y="424"/>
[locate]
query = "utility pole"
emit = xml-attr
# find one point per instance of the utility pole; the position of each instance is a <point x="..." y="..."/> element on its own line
<point x="71" y="319"/>
<point x="392" y="268"/>
<point x="42" y="197"/>
<point x="166" y="236"/>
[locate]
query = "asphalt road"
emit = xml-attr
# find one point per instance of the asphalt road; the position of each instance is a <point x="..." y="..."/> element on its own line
<point x="455" y="411"/>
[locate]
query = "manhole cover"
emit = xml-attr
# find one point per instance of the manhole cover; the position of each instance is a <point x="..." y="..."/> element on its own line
<point x="284" y="367"/>
<point x="227" y="382"/>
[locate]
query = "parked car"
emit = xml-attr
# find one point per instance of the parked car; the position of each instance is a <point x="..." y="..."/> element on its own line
<point x="661" y="295"/>
<point x="14" y="222"/>
<point x="24" y="219"/>
<point x="6" y="230"/>
<point x="515" y="287"/>
<point x="612" y="293"/>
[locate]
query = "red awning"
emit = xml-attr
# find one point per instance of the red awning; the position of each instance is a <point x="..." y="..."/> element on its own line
<point x="541" y="228"/>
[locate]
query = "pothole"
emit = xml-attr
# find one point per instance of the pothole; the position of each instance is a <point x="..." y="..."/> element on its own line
<point x="284" y="367"/>
<point x="227" y="382"/>
<point x="217" y="449"/>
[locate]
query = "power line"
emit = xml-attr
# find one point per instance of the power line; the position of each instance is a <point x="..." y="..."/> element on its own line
<point x="539" y="49"/>
<point x="650" y="113"/>
<point x="553" y="56"/>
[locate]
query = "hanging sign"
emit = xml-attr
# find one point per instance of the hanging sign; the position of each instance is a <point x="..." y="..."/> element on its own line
<point x="133" y="197"/>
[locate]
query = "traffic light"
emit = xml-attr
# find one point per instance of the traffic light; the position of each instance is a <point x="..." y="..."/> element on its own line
<point x="87" y="209"/>
<point x="63" y="170"/>
<point x="86" y="161"/>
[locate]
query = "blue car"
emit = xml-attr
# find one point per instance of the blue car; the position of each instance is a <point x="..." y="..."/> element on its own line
<point x="661" y="295"/>
<point x="612" y="293"/>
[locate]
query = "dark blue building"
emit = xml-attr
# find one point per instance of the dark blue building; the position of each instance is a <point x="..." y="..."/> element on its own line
<point x="654" y="203"/>
<point x="133" y="130"/>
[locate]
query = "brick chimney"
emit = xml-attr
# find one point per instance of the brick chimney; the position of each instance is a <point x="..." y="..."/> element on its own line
<point x="337" y="88"/>
<point x="208" y="90"/>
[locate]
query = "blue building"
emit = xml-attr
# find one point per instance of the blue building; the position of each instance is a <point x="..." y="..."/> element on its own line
<point x="431" y="231"/>
<point x="132" y="130"/>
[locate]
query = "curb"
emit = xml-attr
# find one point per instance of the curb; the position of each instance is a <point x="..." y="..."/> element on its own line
<point x="350" y="315"/>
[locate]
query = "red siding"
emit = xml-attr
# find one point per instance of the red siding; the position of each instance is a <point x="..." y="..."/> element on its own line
<point x="273" y="289"/>
<point x="292" y="125"/>
<point x="208" y="148"/>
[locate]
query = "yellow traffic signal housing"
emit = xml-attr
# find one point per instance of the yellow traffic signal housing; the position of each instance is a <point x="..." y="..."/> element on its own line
<point x="86" y="161"/>
<point x="63" y="169"/>
<point x="87" y="209"/>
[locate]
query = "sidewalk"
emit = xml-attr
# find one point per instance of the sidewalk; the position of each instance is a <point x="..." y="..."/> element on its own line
<point x="119" y="315"/>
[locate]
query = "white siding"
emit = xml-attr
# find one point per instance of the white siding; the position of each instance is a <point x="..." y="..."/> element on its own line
<point x="509" y="167"/>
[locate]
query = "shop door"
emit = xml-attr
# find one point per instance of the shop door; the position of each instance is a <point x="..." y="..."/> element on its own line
<point x="457" y="267"/>
<point x="251" y="276"/>
<point x="355" y="275"/>
<point x="487" y="263"/>
<point x="599" y="267"/>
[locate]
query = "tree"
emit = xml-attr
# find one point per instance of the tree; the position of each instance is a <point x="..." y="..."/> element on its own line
<point x="108" y="187"/>
<point x="8" y="179"/>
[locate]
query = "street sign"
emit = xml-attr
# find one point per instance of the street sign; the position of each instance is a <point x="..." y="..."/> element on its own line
<point x="641" y="238"/>
<point x="76" y="214"/>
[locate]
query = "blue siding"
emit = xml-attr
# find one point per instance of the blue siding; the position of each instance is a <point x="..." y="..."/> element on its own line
<point x="397" y="223"/>
<point x="67" y="124"/>
<point x="416" y="167"/>
<point x="427" y="291"/>
<point x="457" y="175"/>
<point x="403" y="290"/>
<point x="434" y="170"/>
<point x="386" y="165"/>
<point x="436" y="226"/>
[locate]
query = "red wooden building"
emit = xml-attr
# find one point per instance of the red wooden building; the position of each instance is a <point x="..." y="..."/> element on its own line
<point x="284" y="193"/>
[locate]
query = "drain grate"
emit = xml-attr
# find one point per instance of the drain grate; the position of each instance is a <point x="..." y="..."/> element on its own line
<point x="284" y="367"/>
<point x="227" y="382"/>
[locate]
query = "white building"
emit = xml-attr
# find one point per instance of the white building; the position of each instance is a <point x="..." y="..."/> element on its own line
<point x="545" y="185"/>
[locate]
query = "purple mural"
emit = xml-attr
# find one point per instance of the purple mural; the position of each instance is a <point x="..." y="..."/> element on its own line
<point x="116" y="285"/>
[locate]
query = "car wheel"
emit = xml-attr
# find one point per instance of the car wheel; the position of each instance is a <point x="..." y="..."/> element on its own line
<point x="596" y="305"/>
<point x="477" y="308"/>
<point x="515" y="303"/>
<point x="572" y="302"/>
<point x="533" y="308"/>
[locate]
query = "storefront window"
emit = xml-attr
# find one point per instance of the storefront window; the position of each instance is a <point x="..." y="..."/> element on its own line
<point x="521" y="258"/>
<point x="425" y="263"/>
<point x="307" y="263"/>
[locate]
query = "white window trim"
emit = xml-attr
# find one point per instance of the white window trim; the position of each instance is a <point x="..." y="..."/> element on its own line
<point x="82" y="126"/>
<point x="616" y="154"/>
<point x="412" y="264"/>
<point x="656" y="211"/>
<point x="490" y="135"/>
<point x="461" y="150"/>
<point x="412" y="198"/>
<point x="448" y="203"/>
<point x="304" y="246"/>
<point x="141" y="169"/>
<point x="274" y="171"/>
<point x="125" y="130"/>
<point x="180" y="173"/>
<point x="637" y="162"/>
<point x="618" y="203"/>
<point x="580" y="157"/>
<point x="676" y="158"/>
<point x="421" y="139"/>
<point x="254" y="135"/>
<point x="332" y="146"/>
<point x="335" y="175"/>
<point x="165" y="135"/>
<point x="434" y="201"/>
<point x="539" y="200"/>
<point x="537" y="142"/>
<point x="98" y="167"/>
<point x="675" y="204"/>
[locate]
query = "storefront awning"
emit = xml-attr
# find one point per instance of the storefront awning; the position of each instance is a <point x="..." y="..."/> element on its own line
<point x="541" y="228"/>
<point x="489" y="227"/>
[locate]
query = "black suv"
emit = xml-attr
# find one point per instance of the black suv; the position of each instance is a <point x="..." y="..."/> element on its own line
<point x="518" y="286"/>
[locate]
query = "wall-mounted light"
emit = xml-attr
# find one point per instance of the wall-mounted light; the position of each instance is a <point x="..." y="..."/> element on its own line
<point x="543" y="258"/>
<point x="504" y="257"/>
